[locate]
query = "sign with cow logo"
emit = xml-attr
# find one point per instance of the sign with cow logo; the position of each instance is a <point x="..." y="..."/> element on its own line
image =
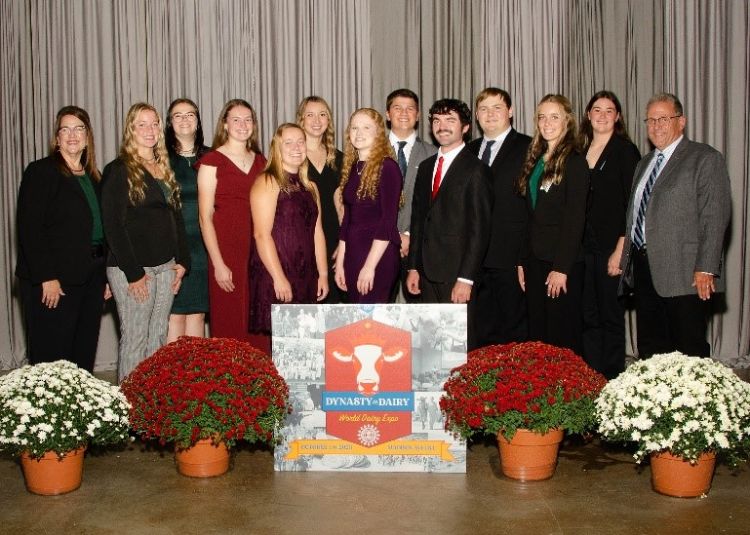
<point x="365" y="384"/>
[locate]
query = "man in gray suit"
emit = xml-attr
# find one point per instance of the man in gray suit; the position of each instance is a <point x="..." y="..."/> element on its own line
<point x="402" y="114"/>
<point x="676" y="222"/>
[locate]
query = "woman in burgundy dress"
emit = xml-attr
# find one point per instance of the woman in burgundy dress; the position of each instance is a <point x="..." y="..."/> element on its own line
<point x="288" y="263"/>
<point x="367" y="263"/>
<point x="225" y="176"/>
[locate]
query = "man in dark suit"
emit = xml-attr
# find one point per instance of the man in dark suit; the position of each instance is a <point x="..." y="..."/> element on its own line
<point x="402" y="115"/>
<point x="450" y="217"/>
<point x="500" y="302"/>
<point x="678" y="215"/>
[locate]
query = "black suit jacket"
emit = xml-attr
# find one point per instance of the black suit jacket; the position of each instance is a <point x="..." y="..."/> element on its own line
<point x="509" y="213"/>
<point x="449" y="235"/>
<point x="54" y="226"/>
<point x="556" y="224"/>
<point x="611" y="182"/>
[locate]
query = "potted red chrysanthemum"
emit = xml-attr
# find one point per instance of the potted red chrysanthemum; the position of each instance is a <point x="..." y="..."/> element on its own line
<point x="523" y="393"/>
<point x="204" y="395"/>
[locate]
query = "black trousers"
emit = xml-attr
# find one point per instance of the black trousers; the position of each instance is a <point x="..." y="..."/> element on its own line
<point x="71" y="330"/>
<point x="440" y="292"/>
<point x="500" y="308"/>
<point x="667" y="324"/>
<point x="556" y="321"/>
<point x="603" y="318"/>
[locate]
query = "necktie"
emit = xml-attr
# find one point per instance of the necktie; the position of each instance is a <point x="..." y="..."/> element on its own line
<point x="639" y="238"/>
<point x="402" y="158"/>
<point x="436" y="180"/>
<point x="487" y="151"/>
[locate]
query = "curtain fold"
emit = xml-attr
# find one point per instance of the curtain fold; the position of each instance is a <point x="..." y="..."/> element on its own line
<point x="104" y="56"/>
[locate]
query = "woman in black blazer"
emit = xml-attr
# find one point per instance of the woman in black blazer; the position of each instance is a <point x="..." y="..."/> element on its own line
<point x="612" y="158"/>
<point x="61" y="246"/>
<point x="555" y="181"/>
<point x="148" y="251"/>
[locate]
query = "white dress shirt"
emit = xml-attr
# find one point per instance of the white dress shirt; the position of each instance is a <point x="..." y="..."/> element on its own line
<point x="667" y="152"/>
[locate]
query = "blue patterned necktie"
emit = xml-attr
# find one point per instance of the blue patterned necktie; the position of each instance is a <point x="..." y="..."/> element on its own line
<point x="402" y="158"/>
<point x="639" y="239"/>
<point x="487" y="151"/>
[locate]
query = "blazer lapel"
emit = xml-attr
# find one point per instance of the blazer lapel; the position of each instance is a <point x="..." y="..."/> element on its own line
<point x="674" y="162"/>
<point x="504" y="148"/>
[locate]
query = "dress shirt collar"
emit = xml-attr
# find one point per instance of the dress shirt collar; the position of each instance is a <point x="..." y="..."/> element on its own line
<point x="669" y="150"/>
<point x="448" y="158"/>
<point x="499" y="140"/>
<point x="409" y="140"/>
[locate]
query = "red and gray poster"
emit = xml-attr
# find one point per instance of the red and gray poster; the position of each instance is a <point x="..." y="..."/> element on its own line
<point x="365" y="384"/>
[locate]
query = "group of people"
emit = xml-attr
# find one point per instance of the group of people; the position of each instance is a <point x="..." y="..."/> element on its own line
<point x="537" y="235"/>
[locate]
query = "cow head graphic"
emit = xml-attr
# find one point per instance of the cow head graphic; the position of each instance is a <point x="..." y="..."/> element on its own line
<point x="368" y="360"/>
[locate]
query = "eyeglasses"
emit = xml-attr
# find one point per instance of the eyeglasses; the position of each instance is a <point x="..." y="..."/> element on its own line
<point x="661" y="121"/>
<point x="179" y="117"/>
<point x="74" y="130"/>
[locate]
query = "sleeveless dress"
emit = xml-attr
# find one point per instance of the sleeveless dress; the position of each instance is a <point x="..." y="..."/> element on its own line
<point x="366" y="220"/>
<point x="228" y="311"/>
<point x="193" y="295"/>
<point x="293" y="234"/>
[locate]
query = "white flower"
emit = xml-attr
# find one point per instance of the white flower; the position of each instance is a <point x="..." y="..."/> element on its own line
<point x="697" y="403"/>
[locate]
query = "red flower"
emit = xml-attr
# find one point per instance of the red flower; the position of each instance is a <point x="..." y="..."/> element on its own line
<point x="532" y="384"/>
<point x="196" y="388"/>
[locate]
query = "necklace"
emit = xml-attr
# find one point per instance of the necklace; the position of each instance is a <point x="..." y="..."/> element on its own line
<point x="144" y="160"/>
<point x="73" y="169"/>
<point x="360" y="169"/>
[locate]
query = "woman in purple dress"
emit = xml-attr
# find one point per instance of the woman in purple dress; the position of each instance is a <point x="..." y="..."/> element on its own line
<point x="288" y="263"/>
<point x="367" y="263"/>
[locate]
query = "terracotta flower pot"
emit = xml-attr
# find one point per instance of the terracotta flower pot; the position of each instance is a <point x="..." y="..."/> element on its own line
<point x="51" y="475"/>
<point x="674" y="476"/>
<point x="529" y="456"/>
<point x="204" y="459"/>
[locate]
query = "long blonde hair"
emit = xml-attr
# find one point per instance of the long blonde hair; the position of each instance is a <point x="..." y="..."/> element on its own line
<point x="554" y="167"/>
<point x="329" y="137"/>
<point x="220" y="133"/>
<point x="381" y="149"/>
<point x="136" y="171"/>
<point x="275" y="168"/>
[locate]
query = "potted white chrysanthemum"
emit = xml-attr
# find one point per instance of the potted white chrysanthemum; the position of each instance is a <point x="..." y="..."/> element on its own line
<point x="49" y="414"/>
<point x="681" y="411"/>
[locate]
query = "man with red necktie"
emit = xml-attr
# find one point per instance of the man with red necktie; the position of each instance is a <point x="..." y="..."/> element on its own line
<point x="451" y="210"/>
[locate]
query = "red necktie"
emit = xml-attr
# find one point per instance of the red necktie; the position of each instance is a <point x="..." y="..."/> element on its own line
<point x="436" y="180"/>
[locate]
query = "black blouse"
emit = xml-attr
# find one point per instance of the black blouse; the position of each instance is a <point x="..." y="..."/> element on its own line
<point x="611" y="181"/>
<point x="146" y="234"/>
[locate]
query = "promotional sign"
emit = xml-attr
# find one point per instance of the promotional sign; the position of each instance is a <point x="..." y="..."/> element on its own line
<point x="365" y="383"/>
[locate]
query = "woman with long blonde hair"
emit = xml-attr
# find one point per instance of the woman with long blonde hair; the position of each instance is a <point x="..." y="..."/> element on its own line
<point x="555" y="181"/>
<point x="145" y="232"/>
<point x="225" y="176"/>
<point x="367" y="262"/>
<point x="316" y="119"/>
<point x="288" y="262"/>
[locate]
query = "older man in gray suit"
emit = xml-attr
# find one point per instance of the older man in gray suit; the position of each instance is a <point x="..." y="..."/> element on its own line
<point x="678" y="215"/>
<point x="402" y="114"/>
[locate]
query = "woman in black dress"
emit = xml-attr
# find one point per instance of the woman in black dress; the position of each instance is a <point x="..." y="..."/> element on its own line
<point x="184" y="139"/>
<point x="316" y="119"/>
<point x="611" y="158"/>
<point x="61" y="246"/>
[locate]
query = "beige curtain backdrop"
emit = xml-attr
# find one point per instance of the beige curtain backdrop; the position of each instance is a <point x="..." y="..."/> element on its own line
<point x="106" y="55"/>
